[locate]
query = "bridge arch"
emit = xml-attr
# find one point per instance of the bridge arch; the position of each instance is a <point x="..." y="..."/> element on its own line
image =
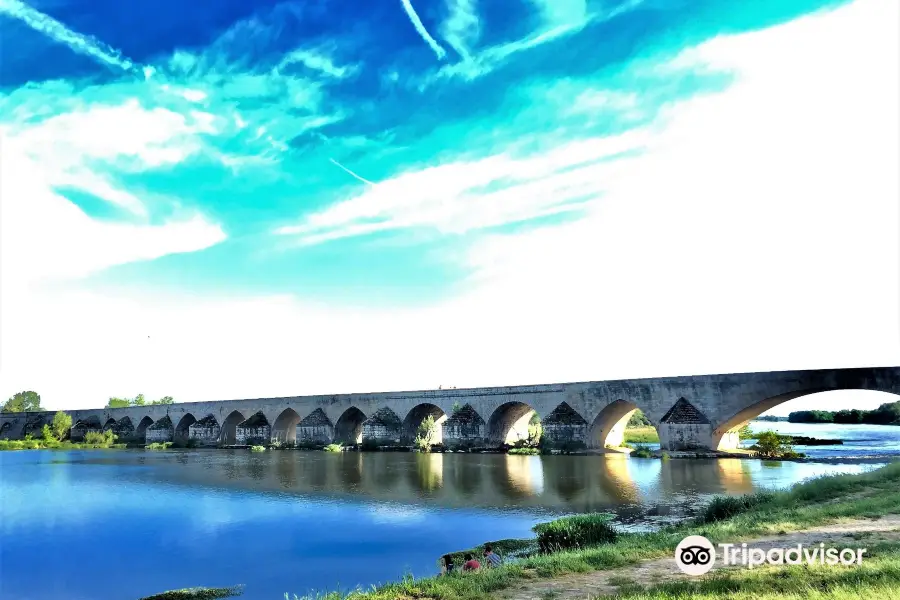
<point x="285" y="426"/>
<point x="110" y="424"/>
<point x="182" y="431"/>
<point x="349" y="426"/>
<point x="725" y="436"/>
<point x="509" y="422"/>
<point x="141" y="430"/>
<point x="5" y="429"/>
<point x="608" y="428"/>
<point x="416" y="416"/>
<point x="228" y="431"/>
<point x="124" y="428"/>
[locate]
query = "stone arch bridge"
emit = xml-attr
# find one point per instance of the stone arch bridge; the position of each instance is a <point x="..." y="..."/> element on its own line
<point x="692" y="412"/>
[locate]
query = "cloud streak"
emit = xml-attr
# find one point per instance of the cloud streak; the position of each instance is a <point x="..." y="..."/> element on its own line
<point x="351" y="173"/>
<point x="462" y="26"/>
<point x="420" y="28"/>
<point x="58" y="32"/>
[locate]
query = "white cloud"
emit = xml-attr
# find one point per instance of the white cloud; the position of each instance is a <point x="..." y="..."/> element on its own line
<point x="317" y="59"/>
<point x="462" y="196"/>
<point x="65" y="149"/>
<point x="58" y="32"/>
<point x="462" y="27"/>
<point x="757" y="231"/>
<point x="559" y="19"/>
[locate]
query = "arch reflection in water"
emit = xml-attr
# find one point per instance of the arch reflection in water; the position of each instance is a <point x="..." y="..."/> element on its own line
<point x="524" y="476"/>
<point x="559" y="484"/>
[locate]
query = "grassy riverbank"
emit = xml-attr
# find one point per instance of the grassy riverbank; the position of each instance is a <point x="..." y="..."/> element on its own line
<point x="641" y="435"/>
<point x="40" y="444"/>
<point x="816" y="502"/>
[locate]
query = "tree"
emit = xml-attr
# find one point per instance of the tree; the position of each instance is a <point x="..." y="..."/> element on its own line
<point x="61" y="425"/>
<point x="23" y="402"/>
<point x="771" y="445"/>
<point x="535" y="430"/>
<point x="164" y="400"/>
<point x="118" y="403"/>
<point x="426" y="434"/>
<point x="638" y="419"/>
<point x="138" y="400"/>
<point x="745" y="433"/>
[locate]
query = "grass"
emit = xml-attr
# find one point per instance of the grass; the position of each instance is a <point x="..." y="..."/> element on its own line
<point x="818" y="501"/>
<point x="641" y="435"/>
<point x="725" y="507"/>
<point x="578" y="531"/>
<point x="526" y="451"/>
<point x="877" y="577"/>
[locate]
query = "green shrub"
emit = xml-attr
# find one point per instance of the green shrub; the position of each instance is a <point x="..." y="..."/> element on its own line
<point x="642" y="452"/>
<point x="578" y="531"/>
<point x="159" y="446"/>
<point x="772" y="445"/>
<point x="100" y="439"/>
<point x="257" y="448"/>
<point x="725" y="507"/>
<point x="334" y="448"/>
<point x="198" y="593"/>
<point x="524" y="451"/>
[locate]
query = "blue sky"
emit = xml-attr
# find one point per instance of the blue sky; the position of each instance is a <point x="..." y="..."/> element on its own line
<point x="290" y="179"/>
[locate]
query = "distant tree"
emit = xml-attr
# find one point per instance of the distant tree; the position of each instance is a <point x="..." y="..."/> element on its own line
<point x="138" y="400"/>
<point x="886" y="414"/>
<point x="811" y="416"/>
<point x="22" y="402"/>
<point x="638" y="419"/>
<point x="61" y="425"/>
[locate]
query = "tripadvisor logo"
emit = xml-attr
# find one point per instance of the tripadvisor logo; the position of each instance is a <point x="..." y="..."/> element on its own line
<point x="696" y="555"/>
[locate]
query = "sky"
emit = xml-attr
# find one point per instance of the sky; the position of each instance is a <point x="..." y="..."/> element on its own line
<point x="231" y="199"/>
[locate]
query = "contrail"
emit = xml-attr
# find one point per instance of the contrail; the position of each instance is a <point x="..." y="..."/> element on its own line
<point x="417" y="23"/>
<point x="351" y="173"/>
<point x="80" y="43"/>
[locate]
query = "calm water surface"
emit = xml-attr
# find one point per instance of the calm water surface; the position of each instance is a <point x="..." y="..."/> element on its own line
<point x="117" y="525"/>
<point x="860" y="441"/>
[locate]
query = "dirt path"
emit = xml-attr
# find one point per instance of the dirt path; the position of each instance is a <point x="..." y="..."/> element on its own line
<point x="853" y="534"/>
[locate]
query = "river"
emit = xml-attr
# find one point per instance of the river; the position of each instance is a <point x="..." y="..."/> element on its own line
<point x="120" y="524"/>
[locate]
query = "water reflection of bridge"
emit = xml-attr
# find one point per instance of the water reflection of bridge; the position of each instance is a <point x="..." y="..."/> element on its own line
<point x="553" y="483"/>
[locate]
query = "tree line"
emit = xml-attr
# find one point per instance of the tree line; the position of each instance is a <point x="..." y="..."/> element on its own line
<point x="30" y="401"/>
<point x="138" y="400"/>
<point x="886" y="414"/>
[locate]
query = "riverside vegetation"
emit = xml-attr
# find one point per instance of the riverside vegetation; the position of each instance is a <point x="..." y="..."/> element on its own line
<point x="587" y="543"/>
